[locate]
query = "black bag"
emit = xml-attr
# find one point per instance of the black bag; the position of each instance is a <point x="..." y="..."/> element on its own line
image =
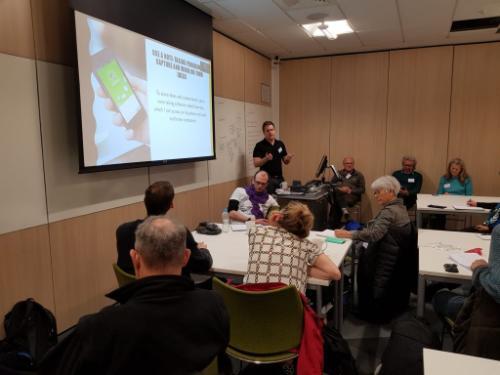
<point x="30" y="331"/>
<point x="404" y="352"/>
<point x="208" y="228"/>
<point x="338" y="356"/>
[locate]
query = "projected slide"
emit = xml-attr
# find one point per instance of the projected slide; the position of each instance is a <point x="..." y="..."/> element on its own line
<point x="141" y="100"/>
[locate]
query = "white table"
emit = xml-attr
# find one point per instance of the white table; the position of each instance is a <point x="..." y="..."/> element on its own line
<point x="434" y="249"/>
<point x="445" y="363"/>
<point x="230" y="257"/>
<point x="449" y="200"/>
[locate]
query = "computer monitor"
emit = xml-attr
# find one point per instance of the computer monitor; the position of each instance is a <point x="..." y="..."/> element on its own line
<point x="322" y="166"/>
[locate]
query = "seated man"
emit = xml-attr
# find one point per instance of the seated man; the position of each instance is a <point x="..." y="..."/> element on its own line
<point x="411" y="181"/>
<point x="253" y="201"/>
<point x="162" y="324"/>
<point x="346" y="192"/>
<point x="476" y="318"/>
<point x="158" y="199"/>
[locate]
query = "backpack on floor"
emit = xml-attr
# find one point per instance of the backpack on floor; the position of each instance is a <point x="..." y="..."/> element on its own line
<point x="30" y="331"/>
<point x="338" y="356"/>
<point x="404" y="352"/>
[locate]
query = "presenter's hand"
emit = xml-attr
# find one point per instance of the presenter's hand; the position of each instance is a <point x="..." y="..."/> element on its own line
<point x="202" y="246"/>
<point x="141" y="132"/>
<point x="404" y="192"/>
<point x="288" y="158"/>
<point x="269" y="156"/>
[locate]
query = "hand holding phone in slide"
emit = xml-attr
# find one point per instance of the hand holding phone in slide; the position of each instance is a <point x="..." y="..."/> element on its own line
<point x="140" y="131"/>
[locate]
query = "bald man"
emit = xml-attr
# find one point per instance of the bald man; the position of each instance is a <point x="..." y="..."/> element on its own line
<point x="347" y="191"/>
<point x="252" y="201"/>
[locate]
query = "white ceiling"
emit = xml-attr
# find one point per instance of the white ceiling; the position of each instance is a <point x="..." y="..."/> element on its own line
<point x="272" y="27"/>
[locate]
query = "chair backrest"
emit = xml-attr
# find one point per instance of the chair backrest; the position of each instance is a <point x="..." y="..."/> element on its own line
<point x="121" y="276"/>
<point x="264" y="322"/>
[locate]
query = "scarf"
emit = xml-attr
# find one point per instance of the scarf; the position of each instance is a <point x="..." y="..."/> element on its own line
<point x="256" y="199"/>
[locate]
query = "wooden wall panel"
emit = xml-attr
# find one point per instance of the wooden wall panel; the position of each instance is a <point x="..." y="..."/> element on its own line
<point x="229" y="68"/>
<point x="305" y="114"/>
<point x="191" y="207"/>
<point x="418" y="111"/>
<point x="475" y="114"/>
<point x="290" y="114"/>
<point x="26" y="268"/>
<point x="83" y="250"/>
<point x="54" y="31"/>
<point x="219" y="197"/>
<point x="257" y="72"/>
<point x="16" y="31"/>
<point x="359" y="108"/>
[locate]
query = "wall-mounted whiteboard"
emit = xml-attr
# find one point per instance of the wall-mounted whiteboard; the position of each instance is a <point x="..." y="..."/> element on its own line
<point x="229" y="164"/>
<point x="255" y="115"/>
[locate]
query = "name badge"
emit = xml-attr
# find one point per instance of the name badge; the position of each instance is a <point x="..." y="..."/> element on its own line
<point x="280" y="150"/>
<point x="348" y="176"/>
<point x="411" y="180"/>
<point x="447" y="186"/>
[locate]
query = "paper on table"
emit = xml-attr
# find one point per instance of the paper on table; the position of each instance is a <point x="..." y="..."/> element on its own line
<point x="327" y="233"/>
<point x="465" y="259"/>
<point x="465" y="207"/>
<point x="238" y="227"/>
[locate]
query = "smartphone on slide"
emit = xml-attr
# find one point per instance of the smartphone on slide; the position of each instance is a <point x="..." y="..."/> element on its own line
<point x="116" y="85"/>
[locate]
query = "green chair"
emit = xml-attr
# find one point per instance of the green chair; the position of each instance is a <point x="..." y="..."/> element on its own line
<point x="121" y="276"/>
<point x="265" y="326"/>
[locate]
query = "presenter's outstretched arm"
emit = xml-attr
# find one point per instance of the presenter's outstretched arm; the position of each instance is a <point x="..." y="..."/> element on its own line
<point x="259" y="162"/>
<point x="288" y="158"/>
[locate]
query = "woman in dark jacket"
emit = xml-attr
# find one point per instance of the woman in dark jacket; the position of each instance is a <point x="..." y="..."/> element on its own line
<point x="388" y="263"/>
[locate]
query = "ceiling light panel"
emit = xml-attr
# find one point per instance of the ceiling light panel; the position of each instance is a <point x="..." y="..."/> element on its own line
<point x="303" y="15"/>
<point x="301" y="4"/>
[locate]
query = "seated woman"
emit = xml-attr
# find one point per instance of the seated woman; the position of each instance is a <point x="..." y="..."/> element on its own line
<point x="456" y="180"/>
<point x="477" y="318"/>
<point x="281" y="251"/>
<point x="388" y="263"/>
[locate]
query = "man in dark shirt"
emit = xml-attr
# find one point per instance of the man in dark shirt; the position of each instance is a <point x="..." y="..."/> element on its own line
<point x="161" y="324"/>
<point x="158" y="199"/>
<point x="346" y="192"/>
<point x="411" y="181"/>
<point x="268" y="154"/>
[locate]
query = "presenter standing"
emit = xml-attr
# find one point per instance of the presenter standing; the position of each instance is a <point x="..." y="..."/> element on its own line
<point x="268" y="155"/>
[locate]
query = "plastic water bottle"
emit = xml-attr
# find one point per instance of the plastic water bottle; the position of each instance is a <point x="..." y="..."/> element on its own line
<point x="225" y="220"/>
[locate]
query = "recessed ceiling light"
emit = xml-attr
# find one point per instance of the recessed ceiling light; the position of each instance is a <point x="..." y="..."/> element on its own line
<point x="329" y="29"/>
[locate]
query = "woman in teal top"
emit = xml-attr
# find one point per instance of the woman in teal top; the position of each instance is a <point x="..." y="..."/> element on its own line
<point x="455" y="181"/>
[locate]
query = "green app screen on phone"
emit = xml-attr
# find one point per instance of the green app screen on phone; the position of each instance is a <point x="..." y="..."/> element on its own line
<point x="119" y="89"/>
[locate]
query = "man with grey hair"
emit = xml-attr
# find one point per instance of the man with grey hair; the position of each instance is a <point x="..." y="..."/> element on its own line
<point x="410" y="180"/>
<point x="388" y="263"/>
<point x="161" y="324"/>
<point x="346" y="192"/>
